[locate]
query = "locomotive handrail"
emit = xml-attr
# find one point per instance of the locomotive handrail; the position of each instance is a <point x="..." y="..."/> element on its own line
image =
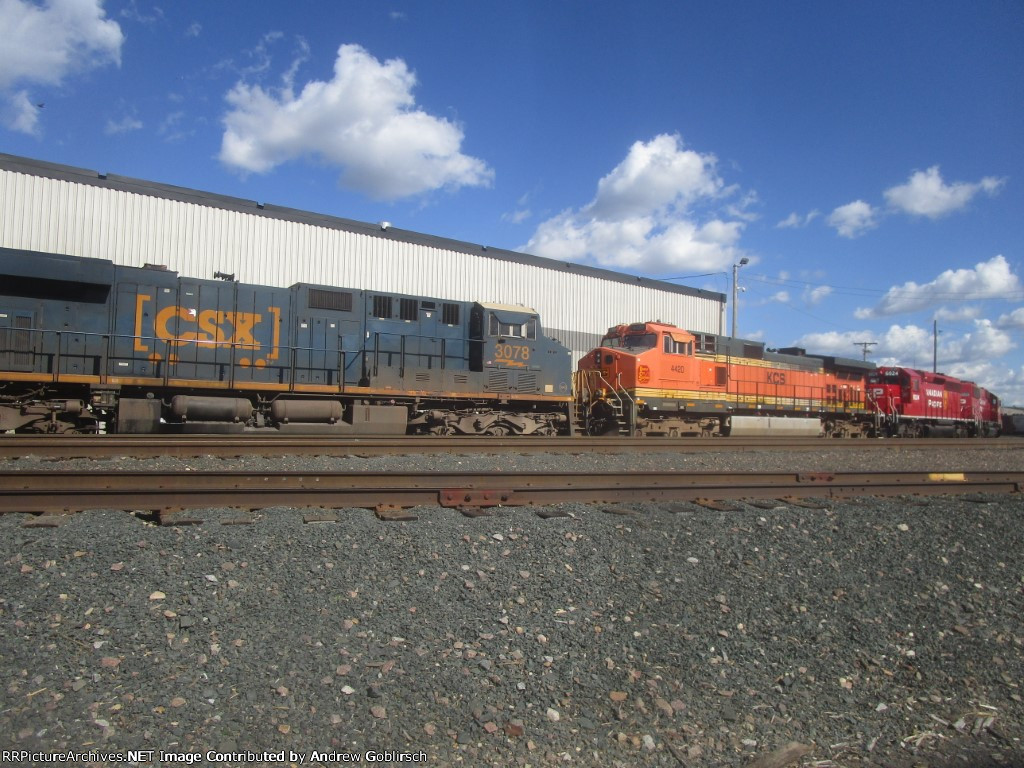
<point x="100" y="357"/>
<point x="56" y="357"/>
<point x="621" y="394"/>
<point x="632" y="405"/>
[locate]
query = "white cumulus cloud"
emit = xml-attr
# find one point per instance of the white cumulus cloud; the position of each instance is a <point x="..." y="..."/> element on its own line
<point x="968" y="356"/>
<point x="19" y="113"/>
<point x="926" y="194"/>
<point x="642" y="216"/>
<point x="987" y="280"/>
<point x="654" y="175"/>
<point x="126" y="124"/>
<point x="957" y="314"/>
<point x="853" y="219"/>
<point x="796" y="221"/>
<point x="897" y="343"/>
<point x="985" y="342"/>
<point x="817" y="294"/>
<point x="364" y="121"/>
<point x="1007" y="383"/>
<point x="1014" y="319"/>
<point x="43" y="44"/>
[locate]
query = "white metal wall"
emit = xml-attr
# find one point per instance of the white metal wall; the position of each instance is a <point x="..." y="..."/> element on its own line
<point x="134" y="228"/>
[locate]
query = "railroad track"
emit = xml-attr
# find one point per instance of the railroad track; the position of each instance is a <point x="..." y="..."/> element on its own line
<point x="188" y="446"/>
<point x="166" y="494"/>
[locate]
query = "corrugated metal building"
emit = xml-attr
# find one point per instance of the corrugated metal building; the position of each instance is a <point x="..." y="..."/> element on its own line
<point x="60" y="209"/>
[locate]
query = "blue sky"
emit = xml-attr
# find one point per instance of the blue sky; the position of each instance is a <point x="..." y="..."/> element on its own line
<point x="866" y="158"/>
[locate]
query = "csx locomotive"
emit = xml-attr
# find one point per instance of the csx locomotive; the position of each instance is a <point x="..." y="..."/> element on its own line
<point x="88" y="346"/>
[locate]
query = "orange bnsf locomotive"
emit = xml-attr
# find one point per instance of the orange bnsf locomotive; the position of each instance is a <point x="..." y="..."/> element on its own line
<point x="656" y="379"/>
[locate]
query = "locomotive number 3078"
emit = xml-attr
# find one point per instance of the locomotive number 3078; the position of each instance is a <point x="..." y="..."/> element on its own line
<point x="512" y="352"/>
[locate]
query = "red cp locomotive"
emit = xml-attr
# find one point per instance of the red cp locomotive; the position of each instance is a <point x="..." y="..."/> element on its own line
<point x="912" y="403"/>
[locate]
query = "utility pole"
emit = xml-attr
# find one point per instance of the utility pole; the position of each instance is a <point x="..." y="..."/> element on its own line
<point x="935" y="346"/>
<point x="864" y="345"/>
<point x="735" y="293"/>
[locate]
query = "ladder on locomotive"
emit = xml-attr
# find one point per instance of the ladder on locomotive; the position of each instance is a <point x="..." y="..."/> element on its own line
<point x="622" y="405"/>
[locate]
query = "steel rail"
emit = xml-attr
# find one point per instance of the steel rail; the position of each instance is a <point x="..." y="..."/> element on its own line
<point x="42" y="492"/>
<point x="190" y="446"/>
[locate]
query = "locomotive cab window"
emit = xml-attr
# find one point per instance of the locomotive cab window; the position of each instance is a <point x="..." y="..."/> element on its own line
<point x="675" y="347"/>
<point x="641" y="341"/>
<point x="526" y="330"/>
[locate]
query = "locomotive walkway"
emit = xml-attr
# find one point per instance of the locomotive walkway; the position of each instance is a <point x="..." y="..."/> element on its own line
<point x="166" y="494"/>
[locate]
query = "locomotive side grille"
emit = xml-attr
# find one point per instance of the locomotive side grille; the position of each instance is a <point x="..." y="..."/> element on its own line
<point x="450" y="314"/>
<point x="407" y="309"/>
<point x="16" y="344"/>
<point x="340" y="301"/>
<point x="497" y="379"/>
<point x="382" y="306"/>
<point x="527" y="382"/>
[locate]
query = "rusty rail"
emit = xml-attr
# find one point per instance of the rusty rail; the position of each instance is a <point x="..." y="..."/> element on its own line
<point x="50" y="492"/>
<point x="188" y="446"/>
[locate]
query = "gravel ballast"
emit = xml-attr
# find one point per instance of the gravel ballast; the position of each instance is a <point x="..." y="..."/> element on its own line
<point x="883" y="632"/>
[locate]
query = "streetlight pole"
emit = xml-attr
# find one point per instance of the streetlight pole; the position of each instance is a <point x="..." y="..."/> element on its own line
<point x="735" y="292"/>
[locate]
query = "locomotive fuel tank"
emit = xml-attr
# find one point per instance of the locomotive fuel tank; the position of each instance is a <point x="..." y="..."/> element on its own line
<point x="332" y="417"/>
<point x="306" y="411"/>
<point x="773" y="426"/>
<point x="201" y="408"/>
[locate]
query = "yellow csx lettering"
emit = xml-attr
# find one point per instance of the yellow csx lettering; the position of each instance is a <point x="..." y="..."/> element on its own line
<point x="212" y="327"/>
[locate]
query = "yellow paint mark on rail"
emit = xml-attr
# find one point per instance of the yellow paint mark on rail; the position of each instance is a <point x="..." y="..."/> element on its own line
<point x="947" y="477"/>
